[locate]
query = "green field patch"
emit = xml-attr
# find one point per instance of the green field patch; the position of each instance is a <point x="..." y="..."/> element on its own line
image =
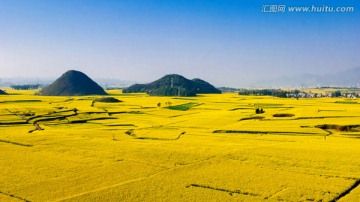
<point x="184" y="107"/>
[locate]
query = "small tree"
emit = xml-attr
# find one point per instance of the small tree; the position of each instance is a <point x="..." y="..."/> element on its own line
<point x="259" y="111"/>
<point x="337" y="94"/>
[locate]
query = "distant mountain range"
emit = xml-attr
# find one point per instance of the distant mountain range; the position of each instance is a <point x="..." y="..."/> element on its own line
<point x="346" y="78"/>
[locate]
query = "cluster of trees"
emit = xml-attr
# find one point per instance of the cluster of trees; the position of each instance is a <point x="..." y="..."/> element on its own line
<point x="269" y="92"/>
<point x="26" y="87"/>
<point x="336" y="94"/>
<point x="171" y="91"/>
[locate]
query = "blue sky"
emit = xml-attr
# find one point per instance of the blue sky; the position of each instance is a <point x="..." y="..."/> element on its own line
<point x="227" y="42"/>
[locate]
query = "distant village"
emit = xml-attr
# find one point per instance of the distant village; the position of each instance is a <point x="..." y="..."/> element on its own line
<point x="345" y="93"/>
<point x="319" y="95"/>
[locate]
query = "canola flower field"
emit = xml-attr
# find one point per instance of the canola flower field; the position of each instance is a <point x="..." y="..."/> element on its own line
<point x="203" y="148"/>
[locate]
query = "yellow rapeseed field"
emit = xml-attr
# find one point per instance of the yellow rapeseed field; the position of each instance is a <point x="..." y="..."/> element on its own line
<point x="203" y="148"/>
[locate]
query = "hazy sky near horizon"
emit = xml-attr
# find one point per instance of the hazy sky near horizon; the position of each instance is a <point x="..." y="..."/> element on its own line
<point x="226" y="42"/>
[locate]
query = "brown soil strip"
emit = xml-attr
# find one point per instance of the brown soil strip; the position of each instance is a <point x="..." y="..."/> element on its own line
<point x="16" y="143"/>
<point x="266" y="132"/>
<point x="13" y="196"/>
<point x="346" y="192"/>
<point x="231" y="192"/>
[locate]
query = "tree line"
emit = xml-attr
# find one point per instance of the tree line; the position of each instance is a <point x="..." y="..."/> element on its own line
<point x="268" y="92"/>
<point x="26" y="87"/>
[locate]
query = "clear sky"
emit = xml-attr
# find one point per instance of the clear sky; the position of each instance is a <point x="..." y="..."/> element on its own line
<point x="226" y="42"/>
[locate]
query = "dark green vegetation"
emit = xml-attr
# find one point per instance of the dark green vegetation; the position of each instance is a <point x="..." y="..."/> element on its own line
<point x="2" y="92"/>
<point x="73" y="83"/>
<point x="108" y="100"/>
<point x="348" y="128"/>
<point x="259" y="111"/>
<point x="26" y="87"/>
<point x="184" y="107"/>
<point x="174" y="85"/>
<point x="268" y="92"/>
<point x="283" y="115"/>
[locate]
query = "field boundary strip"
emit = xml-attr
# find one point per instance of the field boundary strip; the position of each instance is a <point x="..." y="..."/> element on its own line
<point x="13" y="196"/>
<point x="231" y="192"/>
<point x="347" y="191"/>
<point x="269" y="132"/>
<point x="16" y="143"/>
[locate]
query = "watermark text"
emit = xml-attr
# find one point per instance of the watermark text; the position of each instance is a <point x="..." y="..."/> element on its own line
<point x="273" y="8"/>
